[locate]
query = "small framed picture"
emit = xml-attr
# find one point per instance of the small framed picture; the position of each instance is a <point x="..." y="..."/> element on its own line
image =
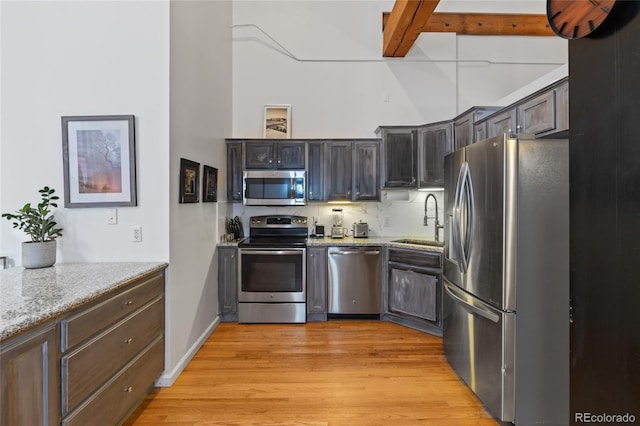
<point x="209" y="184"/>
<point x="189" y="181"/>
<point x="99" y="155"/>
<point x="277" y="122"/>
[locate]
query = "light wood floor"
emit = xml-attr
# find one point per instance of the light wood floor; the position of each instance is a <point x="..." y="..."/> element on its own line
<point x="331" y="373"/>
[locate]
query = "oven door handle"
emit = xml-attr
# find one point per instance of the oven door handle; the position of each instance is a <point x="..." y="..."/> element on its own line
<point x="300" y="251"/>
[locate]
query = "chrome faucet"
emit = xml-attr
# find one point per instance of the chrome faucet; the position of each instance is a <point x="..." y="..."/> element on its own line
<point x="426" y="221"/>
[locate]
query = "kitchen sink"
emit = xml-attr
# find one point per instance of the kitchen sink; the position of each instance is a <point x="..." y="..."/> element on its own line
<point x="429" y="243"/>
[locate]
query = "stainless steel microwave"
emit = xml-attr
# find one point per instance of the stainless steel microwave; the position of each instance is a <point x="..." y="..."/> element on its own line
<point x="273" y="187"/>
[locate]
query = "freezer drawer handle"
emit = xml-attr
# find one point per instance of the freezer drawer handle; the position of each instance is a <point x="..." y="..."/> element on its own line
<point x="478" y="310"/>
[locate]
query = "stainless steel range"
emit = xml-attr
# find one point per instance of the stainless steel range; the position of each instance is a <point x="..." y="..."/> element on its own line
<point x="272" y="270"/>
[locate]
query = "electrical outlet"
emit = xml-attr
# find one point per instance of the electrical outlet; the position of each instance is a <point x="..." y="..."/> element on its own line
<point x="386" y="222"/>
<point x="136" y="233"/>
<point x="112" y="216"/>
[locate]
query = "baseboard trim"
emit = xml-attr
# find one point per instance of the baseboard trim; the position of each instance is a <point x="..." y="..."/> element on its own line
<point x="168" y="378"/>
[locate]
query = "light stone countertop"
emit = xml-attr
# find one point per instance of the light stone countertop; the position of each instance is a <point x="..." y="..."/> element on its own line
<point x="30" y="297"/>
<point x="354" y="242"/>
<point x="373" y="241"/>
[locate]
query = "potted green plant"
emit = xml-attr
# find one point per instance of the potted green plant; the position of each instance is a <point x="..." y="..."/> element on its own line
<point x="38" y="223"/>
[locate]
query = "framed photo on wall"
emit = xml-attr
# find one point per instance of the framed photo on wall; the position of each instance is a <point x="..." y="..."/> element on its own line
<point x="189" y="181"/>
<point x="99" y="155"/>
<point x="210" y="184"/>
<point x="277" y="122"/>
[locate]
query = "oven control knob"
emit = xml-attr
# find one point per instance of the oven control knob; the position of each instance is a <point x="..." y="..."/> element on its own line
<point x="271" y="295"/>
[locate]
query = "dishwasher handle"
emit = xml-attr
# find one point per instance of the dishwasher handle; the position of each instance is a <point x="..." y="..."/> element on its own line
<point x="354" y="252"/>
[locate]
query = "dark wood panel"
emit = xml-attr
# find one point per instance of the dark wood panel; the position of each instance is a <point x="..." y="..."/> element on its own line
<point x="605" y="226"/>
<point x="338" y="171"/>
<point x="366" y="170"/>
<point x="315" y="172"/>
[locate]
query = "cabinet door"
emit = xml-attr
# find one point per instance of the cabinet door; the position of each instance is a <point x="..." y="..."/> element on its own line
<point x="29" y="379"/>
<point x="315" y="174"/>
<point x="234" y="171"/>
<point x="228" y="283"/>
<point x="399" y="148"/>
<point x="538" y="115"/>
<point x="338" y="171"/>
<point x="290" y="155"/>
<point x="413" y="293"/>
<point x="463" y="131"/>
<point x="562" y="107"/>
<point x="366" y="170"/>
<point x="260" y="155"/>
<point x="502" y="123"/>
<point x="479" y="131"/>
<point x="317" y="280"/>
<point x="434" y="143"/>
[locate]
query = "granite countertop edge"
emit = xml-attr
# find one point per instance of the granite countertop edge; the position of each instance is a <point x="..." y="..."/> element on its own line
<point x="20" y="313"/>
<point x="370" y="241"/>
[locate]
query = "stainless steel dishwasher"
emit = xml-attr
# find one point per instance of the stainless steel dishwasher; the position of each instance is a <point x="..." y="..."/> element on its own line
<point x="354" y="280"/>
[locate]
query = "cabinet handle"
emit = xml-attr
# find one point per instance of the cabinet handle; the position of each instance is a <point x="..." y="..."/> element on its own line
<point x="128" y="390"/>
<point x="129" y="340"/>
<point x="129" y="302"/>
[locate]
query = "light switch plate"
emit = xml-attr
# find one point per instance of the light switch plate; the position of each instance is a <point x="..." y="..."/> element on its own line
<point x="112" y="216"/>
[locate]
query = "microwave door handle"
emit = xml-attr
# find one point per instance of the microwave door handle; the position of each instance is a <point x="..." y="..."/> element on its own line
<point x="471" y="307"/>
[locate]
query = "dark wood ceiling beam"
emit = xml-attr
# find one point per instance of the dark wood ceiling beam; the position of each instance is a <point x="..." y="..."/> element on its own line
<point x="405" y="24"/>
<point x="413" y="17"/>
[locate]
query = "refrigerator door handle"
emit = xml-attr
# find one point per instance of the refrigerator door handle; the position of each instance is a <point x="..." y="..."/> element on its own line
<point x="456" y="226"/>
<point x="464" y="204"/>
<point x="470" y="208"/>
<point x="473" y="307"/>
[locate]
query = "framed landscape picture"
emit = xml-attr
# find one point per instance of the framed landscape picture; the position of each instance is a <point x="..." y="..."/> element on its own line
<point x="189" y="181"/>
<point x="210" y="184"/>
<point x="277" y="122"/>
<point x="99" y="155"/>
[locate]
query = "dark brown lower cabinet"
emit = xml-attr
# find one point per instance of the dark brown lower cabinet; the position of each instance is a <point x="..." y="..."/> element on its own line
<point x="112" y="353"/>
<point x="228" y="283"/>
<point x="30" y="379"/>
<point x="316" y="283"/>
<point x="414" y="289"/>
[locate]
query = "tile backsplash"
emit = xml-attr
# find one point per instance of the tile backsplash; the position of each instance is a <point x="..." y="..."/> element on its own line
<point x="400" y="213"/>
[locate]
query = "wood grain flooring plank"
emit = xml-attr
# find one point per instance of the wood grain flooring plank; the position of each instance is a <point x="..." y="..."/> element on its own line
<point x="362" y="373"/>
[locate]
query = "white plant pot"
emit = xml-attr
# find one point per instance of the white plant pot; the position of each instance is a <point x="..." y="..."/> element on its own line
<point x="38" y="255"/>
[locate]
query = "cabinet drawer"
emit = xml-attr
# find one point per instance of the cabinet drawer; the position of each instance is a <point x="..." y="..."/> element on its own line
<point x="119" y="397"/>
<point x="416" y="258"/>
<point x="80" y="326"/>
<point x="90" y="365"/>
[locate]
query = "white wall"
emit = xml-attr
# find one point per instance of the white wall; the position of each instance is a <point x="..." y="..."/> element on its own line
<point x="338" y="81"/>
<point x="169" y="64"/>
<point x="200" y="120"/>
<point x="85" y="58"/>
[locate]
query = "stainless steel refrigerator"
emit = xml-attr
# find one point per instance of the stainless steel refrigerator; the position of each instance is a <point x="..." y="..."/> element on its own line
<point x="506" y="276"/>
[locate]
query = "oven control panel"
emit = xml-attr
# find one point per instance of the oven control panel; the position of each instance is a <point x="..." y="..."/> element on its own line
<point x="285" y="221"/>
